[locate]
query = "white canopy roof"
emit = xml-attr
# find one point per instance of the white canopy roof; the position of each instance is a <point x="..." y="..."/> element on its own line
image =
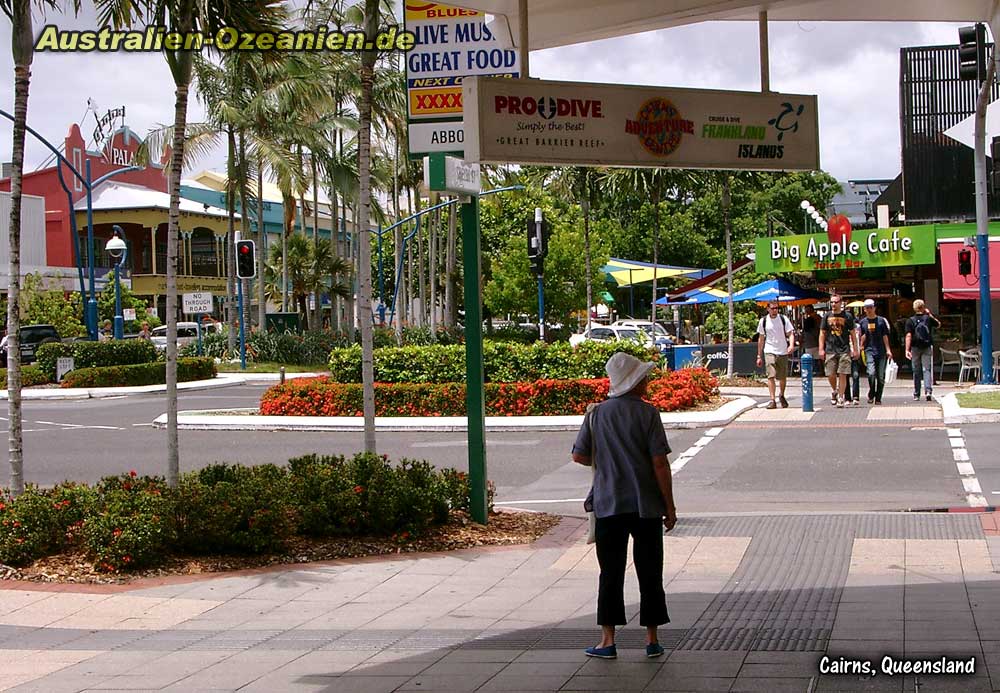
<point x="554" y="23"/>
<point x="113" y="195"/>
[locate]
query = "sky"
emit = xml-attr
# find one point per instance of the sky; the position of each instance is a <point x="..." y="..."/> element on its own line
<point x="853" y="68"/>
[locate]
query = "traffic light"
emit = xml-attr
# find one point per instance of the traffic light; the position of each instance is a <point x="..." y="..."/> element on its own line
<point x="246" y="259"/>
<point x="537" y="248"/>
<point x="965" y="262"/>
<point x="972" y="53"/>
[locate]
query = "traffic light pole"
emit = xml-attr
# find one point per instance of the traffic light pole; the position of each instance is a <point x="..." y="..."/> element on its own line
<point x="982" y="229"/>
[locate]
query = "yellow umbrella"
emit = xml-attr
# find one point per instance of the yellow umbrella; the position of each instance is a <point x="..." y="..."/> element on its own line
<point x="628" y="272"/>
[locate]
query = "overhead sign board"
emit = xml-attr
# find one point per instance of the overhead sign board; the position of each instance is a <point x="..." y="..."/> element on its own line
<point x="577" y="123"/>
<point x="443" y="137"/>
<point x="448" y="174"/>
<point x="860" y="249"/>
<point x="452" y="43"/>
<point x="197" y="302"/>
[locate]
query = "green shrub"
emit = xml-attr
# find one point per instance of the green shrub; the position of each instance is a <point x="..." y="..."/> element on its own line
<point x="39" y="521"/>
<point x="118" y="352"/>
<point x="132" y="524"/>
<point x="214" y="345"/>
<point x="235" y="509"/>
<point x="30" y="375"/>
<point x="503" y="362"/>
<point x="328" y="499"/>
<point x="199" y="368"/>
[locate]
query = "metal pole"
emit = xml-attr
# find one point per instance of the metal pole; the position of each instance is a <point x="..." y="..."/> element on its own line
<point x="982" y="231"/>
<point x="807" y="382"/>
<point x="119" y="320"/>
<point x="381" y="281"/>
<point x="541" y="285"/>
<point x="474" y="395"/>
<point x="201" y="321"/>
<point x="243" y="337"/>
<point x="92" y="301"/>
<point x="765" y="77"/>
<point x="522" y="36"/>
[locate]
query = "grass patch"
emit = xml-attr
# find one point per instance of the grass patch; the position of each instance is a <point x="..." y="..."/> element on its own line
<point x="979" y="400"/>
<point x="226" y="367"/>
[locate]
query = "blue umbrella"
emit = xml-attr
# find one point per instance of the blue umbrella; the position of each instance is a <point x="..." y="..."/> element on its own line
<point x="780" y="290"/>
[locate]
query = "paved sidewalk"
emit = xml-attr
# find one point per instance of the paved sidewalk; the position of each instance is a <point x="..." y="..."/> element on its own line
<point x="756" y="601"/>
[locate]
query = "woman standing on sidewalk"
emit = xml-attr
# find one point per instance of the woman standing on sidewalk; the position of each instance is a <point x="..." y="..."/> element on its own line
<point x="632" y="495"/>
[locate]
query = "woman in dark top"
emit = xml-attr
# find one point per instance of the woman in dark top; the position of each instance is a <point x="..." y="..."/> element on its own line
<point x="624" y="438"/>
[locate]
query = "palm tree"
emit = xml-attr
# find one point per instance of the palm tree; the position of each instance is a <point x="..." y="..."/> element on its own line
<point x="23" y="47"/>
<point x="185" y="17"/>
<point x="309" y="267"/>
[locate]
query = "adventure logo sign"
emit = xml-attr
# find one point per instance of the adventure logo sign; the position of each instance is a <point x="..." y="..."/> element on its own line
<point x="659" y="126"/>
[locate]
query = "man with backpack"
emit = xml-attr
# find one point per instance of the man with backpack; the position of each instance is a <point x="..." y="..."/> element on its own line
<point x="920" y="348"/>
<point x="875" y="345"/>
<point x="777" y="343"/>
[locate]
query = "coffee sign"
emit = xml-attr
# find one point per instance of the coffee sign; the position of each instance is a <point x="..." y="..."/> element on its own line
<point x="853" y="249"/>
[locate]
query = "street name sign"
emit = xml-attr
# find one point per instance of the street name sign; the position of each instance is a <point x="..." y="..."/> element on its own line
<point x="447" y="174"/>
<point x="197" y="302"/>
<point x="577" y="123"/>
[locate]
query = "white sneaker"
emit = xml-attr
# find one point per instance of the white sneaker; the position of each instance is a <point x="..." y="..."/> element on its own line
<point x="856" y="403"/>
<point x="833" y="398"/>
<point x="840" y="402"/>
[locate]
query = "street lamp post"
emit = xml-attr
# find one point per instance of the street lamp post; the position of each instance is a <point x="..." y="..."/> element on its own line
<point x="119" y="251"/>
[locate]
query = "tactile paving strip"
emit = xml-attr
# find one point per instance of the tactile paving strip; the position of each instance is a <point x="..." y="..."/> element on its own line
<point x="784" y="594"/>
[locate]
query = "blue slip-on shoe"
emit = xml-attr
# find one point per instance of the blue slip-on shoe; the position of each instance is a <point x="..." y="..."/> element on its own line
<point x="609" y="652"/>
<point x="654" y="649"/>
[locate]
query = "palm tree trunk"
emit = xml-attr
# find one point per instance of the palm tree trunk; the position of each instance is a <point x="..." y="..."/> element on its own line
<point x="242" y="174"/>
<point x="315" y="321"/>
<point x="335" y="303"/>
<point x="261" y="249"/>
<point x="422" y="270"/>
<point x="22" y="39"/>
<point x="231" y="238"/>
<point x="656" y="260"/>
<point x="432" y="264"/>
<point x="352" y="264"/>
<point x="726" y="202"/>
<point x="450" y="269"/>
<point x="586" y="254"/>
<point x="364" y="203"/>
<point x="173" y="232"/>
<point x="305" y="215"/>
<point x="397" y="241"/>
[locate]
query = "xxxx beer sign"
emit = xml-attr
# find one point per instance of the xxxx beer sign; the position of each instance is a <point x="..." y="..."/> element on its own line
<point x="576" y="123"/>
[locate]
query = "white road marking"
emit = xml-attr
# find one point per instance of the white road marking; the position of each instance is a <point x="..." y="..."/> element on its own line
<point x="961" y="454"/>
<point x="714" y="431"/>
<point x="972" y="485"/>
<point x="144" y="424"/>
<point x="965" y="469"/>
<point x="539" y="502"/>
<point x="75" y="426"/>
<point x="703" y="441"/>
<point x="957" y="442"/>
<point x="463" y="443"/>
<point x="954" y="433"/>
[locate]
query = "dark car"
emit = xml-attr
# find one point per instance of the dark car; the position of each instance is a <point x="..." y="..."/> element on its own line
<point x="32" y="337"/>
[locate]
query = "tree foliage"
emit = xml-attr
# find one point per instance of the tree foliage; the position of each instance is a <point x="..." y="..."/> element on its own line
<point x="51" y="306"/>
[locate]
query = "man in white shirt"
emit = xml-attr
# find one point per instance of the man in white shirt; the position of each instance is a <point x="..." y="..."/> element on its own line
<point x="773" y="350"/>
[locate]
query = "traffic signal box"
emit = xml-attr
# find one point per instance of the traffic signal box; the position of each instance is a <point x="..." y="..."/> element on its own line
<point x="536" y="253"/>
<point x="972" y="53"/>
<point x="965" y="262"/>
<point x="246" y="259"/>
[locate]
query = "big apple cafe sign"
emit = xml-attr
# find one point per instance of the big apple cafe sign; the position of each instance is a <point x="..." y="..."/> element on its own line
<point x="838" y="250"/>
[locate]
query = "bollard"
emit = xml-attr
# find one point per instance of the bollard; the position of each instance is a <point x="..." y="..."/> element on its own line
<point x="281" y="378"/>
<point x="807" y="382"/>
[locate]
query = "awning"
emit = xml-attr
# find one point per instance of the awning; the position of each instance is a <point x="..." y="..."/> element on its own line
<point x="628" y="272"/>
<point x="708" y="279"/>
<point x="696" y="297"/>
<point x="955" y="287"/>
<point x="780" y="290"/>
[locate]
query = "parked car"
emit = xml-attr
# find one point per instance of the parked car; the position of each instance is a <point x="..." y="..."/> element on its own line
<point x="607" y="333"/>
<point x="655" y="331"/>
<point x="187" y="332"/>
<point x="32" y="337"/>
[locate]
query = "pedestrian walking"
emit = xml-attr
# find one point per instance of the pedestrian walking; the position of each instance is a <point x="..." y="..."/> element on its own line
<point x="837" y="346"/>
<point x="852" y="393"/>
<point x="774" y="349"/>
<point x="623" y="439"/>
<point x="810" y="332"/>
<point x="145" y="332"/>
<point x="874" y="331"/>
<point x="920" y="348"/>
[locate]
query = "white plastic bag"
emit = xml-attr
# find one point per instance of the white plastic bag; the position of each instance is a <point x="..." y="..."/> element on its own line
<point x="891" y="371"/>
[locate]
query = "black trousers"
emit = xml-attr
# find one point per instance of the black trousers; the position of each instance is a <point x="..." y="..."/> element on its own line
<point x="647" y="555"/>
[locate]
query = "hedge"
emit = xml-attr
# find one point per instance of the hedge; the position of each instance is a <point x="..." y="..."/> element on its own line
<point x="322" y="397"/>
<point x="127" y="522"/>
<point x="30" y="375"/>
<point x="117" y="352"/>
<point x="504" y="362"/>
<point x="202" y="368"/>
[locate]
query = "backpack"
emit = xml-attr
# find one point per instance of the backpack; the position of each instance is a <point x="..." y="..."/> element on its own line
<point x="786" y="325"/>
<point x="921" y="332"/>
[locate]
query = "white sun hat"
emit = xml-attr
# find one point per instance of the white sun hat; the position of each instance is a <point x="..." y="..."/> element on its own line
<point x="625" y="372"/>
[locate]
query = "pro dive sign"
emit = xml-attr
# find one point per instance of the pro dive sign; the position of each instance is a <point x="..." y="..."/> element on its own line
<point x="577" y="123"/>
<point x="853" y="250"/>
